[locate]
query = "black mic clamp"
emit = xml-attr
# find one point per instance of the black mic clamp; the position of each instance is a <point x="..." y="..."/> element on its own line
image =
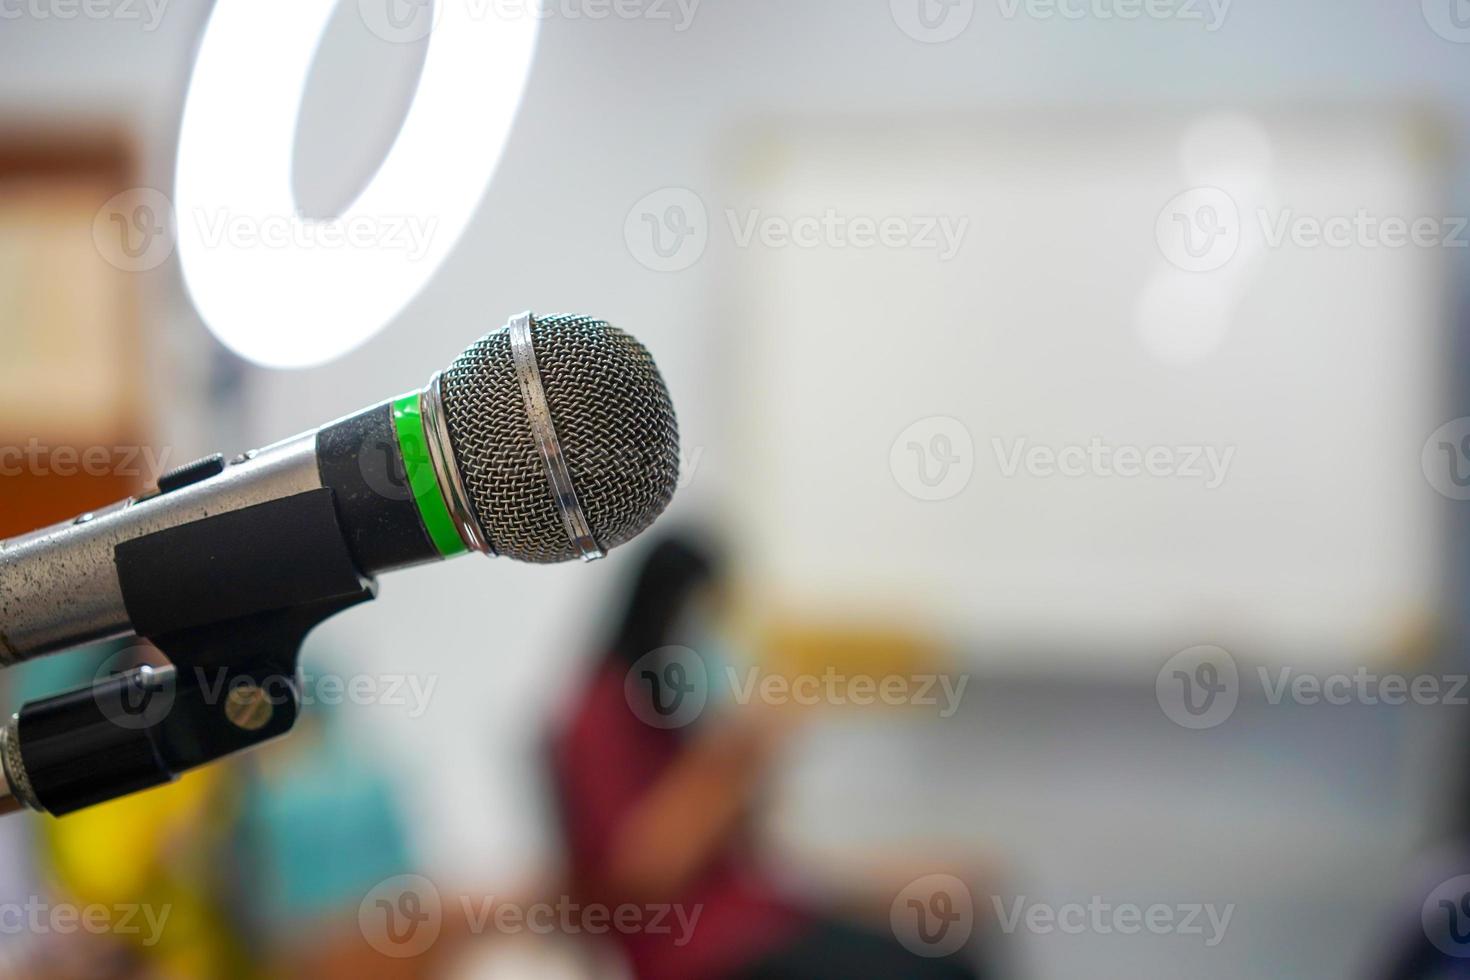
<point x="233" y="647"/>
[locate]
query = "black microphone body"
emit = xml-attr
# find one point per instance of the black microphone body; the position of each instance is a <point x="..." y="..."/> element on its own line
<point x="66" y="585"/>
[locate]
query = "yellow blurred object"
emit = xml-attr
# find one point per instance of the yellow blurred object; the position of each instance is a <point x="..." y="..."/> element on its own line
<point x="1420" y="638"/>
<point x="155" y="857"/>
<point x="793" y="645"/>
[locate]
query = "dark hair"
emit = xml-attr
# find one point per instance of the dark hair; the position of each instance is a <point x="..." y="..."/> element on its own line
<point x="676" y="568"/>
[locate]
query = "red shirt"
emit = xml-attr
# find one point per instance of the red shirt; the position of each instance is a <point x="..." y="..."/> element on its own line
<point x="605" y="760"/>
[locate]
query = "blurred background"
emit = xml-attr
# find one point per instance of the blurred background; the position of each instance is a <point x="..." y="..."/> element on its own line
<point x="1071" y="392"/>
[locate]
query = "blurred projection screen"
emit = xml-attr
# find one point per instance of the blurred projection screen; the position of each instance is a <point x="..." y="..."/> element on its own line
<point x="1103" y="395"/>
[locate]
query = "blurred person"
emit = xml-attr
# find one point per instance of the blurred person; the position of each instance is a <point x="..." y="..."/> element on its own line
<point x="659" y="816"/>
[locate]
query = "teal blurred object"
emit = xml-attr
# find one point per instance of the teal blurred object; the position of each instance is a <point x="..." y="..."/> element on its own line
<point x="35" y="680"/>
<point x="318" y="832"/>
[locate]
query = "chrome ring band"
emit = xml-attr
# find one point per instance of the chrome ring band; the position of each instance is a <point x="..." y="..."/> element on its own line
<point x="12" y="767"/>
<point x="573" y="518"/>
<point x="446" y="470"/>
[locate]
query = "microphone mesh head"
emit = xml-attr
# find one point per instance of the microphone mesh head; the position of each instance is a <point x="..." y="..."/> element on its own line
<point x="613" y="418"/>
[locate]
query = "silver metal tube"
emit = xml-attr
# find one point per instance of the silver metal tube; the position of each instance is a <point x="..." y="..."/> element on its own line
<point x="59" y="586"/>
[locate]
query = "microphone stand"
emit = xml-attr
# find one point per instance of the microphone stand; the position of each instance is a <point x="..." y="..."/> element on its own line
<point x="233" y="648"/>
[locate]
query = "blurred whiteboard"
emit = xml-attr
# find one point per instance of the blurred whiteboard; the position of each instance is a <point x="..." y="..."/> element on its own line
<point x="1068" y="320"/>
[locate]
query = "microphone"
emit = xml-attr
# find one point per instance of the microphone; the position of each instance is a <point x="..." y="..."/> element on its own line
<point x="551" y="439"/>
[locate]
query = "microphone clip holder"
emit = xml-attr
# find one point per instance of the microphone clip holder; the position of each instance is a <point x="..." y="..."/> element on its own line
<point x="232" y="681"/>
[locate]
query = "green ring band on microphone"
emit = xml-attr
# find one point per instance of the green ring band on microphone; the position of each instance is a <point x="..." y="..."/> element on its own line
<point x="408" y="423"/>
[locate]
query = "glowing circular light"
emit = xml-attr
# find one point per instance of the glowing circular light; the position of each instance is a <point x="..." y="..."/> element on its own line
<point x="286" y="291"/>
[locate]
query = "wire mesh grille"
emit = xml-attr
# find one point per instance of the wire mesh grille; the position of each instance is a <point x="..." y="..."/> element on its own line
<point x="613" y="418"/>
